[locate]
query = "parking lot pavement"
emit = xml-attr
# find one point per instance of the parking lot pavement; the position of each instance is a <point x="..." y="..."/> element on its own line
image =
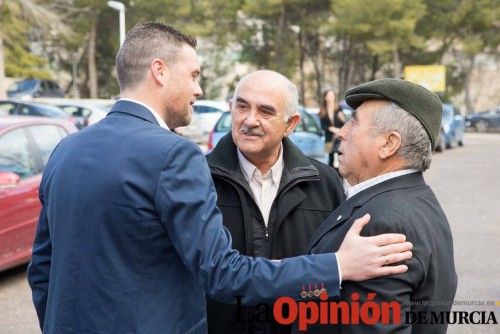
<point x="465" y="181"/>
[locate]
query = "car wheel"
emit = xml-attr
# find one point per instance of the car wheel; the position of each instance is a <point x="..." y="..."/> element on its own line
<point x="440" y="141"/>
<point x="481" y="126"/>
<point x="461" y="142"/>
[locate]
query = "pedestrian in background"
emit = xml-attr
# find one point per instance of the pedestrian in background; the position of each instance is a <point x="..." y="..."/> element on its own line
<point x="332" y="119"/>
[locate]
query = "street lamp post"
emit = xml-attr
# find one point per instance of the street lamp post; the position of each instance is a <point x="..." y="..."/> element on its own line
<point x="120" y="7"/>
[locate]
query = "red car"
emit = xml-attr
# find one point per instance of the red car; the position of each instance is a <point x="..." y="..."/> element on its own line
<point x="25" y="146"/>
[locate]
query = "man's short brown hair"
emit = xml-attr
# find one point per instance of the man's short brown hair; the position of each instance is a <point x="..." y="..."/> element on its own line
<point x="143" y="43"/>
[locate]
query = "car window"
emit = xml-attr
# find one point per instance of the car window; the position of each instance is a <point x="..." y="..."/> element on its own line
<point x="7" y="108"/>
<point x="205" y="109"/>
<point x="46" y="138"/>
<point x="224" y="123"/>
<point x="76" y="111"/>
<point x="15" y="154"/>
<point x="300" y="126"/>
<point x="310" y="124"/>
<point x="50" y="111"/>
<point x="27" y="111"/>
<point x="45" y="85"/>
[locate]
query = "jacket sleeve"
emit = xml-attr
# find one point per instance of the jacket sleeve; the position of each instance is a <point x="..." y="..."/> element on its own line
<point x="39" y="267"/>
<point x="186" y="202"/>
<point x="394" y="288"/>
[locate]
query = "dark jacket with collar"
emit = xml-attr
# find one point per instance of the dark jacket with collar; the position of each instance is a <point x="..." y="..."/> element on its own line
<point x="308" y="192"/>
<point x="404" y="204"/>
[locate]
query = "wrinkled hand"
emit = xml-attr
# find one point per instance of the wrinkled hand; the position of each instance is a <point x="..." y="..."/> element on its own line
<point x="361" y="258"/>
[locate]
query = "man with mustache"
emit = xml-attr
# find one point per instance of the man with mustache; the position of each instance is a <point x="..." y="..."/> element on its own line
<point x="271" y="195"/>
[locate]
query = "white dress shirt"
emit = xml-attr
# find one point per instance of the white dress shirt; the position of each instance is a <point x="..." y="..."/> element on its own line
<point x="376" y="180"/>
<point x="155" y="114"/>
<point x="264" y="187"/>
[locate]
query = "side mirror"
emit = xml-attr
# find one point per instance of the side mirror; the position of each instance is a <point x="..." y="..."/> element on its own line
<point x="9" y="180"/>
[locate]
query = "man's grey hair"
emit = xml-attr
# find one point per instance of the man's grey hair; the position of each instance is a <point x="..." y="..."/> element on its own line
<point x="143" y="43"/>
<point x="292" y="100"/>
<point x="416" y="147"/>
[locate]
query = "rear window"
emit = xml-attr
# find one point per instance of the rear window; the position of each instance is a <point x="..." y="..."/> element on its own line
<point x="224" y="123"/>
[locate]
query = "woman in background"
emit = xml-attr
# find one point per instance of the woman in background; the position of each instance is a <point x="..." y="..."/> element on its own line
<point x="332" y="119"/>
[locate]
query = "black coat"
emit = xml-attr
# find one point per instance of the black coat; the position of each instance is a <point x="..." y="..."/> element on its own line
<point x="404" y="204"/>
<point x="308" y="192"/>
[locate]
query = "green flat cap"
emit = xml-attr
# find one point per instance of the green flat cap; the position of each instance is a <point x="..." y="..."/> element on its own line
<point x="415" y="99"/>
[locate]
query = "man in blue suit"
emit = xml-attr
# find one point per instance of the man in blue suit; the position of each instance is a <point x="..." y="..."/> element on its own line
<point x="129" y="237"/>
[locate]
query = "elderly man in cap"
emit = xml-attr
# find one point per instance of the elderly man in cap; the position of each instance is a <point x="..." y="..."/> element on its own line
<point x="384" y="150"/>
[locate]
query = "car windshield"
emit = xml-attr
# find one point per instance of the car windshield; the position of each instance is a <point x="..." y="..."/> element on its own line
<point x="50" y="111"/>
<point x="205" y="109"/>
<point x="308" y="124"/>
<point x="23" y="86"/>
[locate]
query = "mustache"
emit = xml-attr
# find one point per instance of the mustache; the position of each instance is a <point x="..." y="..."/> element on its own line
<point x="251" y="131"/>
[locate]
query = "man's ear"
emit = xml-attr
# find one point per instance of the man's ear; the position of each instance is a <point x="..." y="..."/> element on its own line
<point x="391" y="144"/>
<point x="158" y="71"/>
<point x="292" y="122"/>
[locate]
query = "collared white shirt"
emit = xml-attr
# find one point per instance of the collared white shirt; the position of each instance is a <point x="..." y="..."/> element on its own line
<point x="264" y="187"/>
<point x="160" y="121"/>
<point x="376" y="180"/>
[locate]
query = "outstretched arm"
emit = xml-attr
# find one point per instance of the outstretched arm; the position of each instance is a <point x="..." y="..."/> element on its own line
<point x="186" y="200"/>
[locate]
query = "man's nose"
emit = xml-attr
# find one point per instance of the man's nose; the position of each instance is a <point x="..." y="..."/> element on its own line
<point x="197" y="90"/>
<point x="251" y="119"/>
<point x="342" y="132"/>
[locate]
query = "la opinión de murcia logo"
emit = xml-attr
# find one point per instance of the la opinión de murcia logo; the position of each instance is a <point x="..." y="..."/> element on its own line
<point x="321" y="311"/>
<point x="327" y="312"/>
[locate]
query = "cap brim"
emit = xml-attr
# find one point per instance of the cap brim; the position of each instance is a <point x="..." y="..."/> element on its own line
<point x="355" y="100"/>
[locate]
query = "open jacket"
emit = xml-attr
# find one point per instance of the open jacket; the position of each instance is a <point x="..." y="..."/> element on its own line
<point x="308" y="192"/>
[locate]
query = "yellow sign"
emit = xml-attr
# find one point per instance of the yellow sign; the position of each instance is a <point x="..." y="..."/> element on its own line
<point x="432" y="77"/>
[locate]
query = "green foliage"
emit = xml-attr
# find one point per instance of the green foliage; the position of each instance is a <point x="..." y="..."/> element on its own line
<point x="353" y="40"/>
<point x="19" y="59"/>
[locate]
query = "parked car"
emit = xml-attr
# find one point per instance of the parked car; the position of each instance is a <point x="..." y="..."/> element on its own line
<point x="31" y="88"/>
<point x="18" y="108"/>
<point x="308" y="136"/>
<point x="205" y="114"/>
<point x="25" y="146"/>
<point x="484" y="121"/>
<point x="84" y="111"/>
<point x="452" y="128"/>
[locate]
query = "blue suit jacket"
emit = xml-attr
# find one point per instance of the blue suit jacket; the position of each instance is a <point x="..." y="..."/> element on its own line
<point x="129" y="237"/>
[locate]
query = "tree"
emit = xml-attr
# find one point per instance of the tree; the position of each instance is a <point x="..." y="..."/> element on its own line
<point x="18" y="17"/>
<point x="387" y="28"/>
